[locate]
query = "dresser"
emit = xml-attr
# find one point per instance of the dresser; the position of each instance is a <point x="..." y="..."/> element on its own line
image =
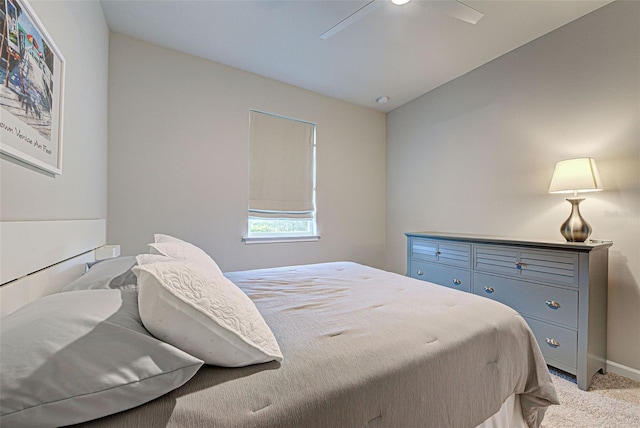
<point x="559" y="288"/>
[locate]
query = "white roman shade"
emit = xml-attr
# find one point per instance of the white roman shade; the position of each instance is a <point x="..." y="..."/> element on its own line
<point x="281" y="156"/>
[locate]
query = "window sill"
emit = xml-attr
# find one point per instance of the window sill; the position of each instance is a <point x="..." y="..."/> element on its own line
<point x="279" y="239"/>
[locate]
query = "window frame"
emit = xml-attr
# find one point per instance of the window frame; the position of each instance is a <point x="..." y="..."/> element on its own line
<point x="272" y="237"/>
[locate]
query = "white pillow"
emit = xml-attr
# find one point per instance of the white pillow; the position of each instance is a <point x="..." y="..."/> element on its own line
<point x="183" y="251"/>
<point x="108" y="273"/>
<point x="195" y="308"/>
<point x="76" y="356"/>
<point x="159" y="237"/>
<point x="147" y="259"/>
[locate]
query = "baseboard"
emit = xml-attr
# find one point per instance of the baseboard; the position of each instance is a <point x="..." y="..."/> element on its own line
<point x="625" y="371"/>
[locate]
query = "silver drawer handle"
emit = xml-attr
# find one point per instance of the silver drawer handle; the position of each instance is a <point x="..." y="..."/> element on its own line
<point x="437" y="253"/>
<point x="489" y="289"/>
<point x="456" y="281"/>
<point x="553" y="304"/>
<point x="552" y="342"/>
<point x="419" y="272"/>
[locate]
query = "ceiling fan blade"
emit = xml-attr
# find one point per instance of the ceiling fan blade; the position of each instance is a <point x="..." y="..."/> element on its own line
<point x="454" y="9"/>
<point x="355" y="16"/>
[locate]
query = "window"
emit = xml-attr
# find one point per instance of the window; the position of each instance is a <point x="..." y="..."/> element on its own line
<point x="282" y="154"/>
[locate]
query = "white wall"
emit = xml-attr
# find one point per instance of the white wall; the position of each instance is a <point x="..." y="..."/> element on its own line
<point x="477" y="154"/>
<point x="80" y="32"/>
<point x="178" y="160"/>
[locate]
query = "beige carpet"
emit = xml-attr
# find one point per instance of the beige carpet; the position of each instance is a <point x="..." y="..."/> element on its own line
<point x="612" y="402"/>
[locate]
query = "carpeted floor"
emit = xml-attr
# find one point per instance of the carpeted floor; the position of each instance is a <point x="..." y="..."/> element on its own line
<point x="612" y="402"/>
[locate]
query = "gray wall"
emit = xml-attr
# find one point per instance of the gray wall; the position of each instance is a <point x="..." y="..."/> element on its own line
<point x="80" y="32"/>
<point x="178" y="160"/>
<point x="477" y="154"/>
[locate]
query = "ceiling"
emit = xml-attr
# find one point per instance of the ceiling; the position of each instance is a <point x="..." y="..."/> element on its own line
<point x="397" y="51"/>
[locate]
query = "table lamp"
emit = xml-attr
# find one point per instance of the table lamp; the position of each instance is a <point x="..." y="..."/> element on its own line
<point x="573" y="176"/>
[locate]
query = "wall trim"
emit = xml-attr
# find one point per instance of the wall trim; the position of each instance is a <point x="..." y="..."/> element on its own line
<point x="623" y="370"/>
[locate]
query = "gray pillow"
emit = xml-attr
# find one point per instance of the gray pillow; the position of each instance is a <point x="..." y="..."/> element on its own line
<point x="77" y="356"/>
<point x="108" y="273"/>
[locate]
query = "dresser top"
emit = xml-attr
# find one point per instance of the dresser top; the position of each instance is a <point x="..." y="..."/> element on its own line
<point x="589" y="245"/>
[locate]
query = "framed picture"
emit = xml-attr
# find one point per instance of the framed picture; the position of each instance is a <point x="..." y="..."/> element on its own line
<point x="31" y="89"/>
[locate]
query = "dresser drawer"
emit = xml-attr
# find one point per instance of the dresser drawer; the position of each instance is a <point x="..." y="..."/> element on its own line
<point x="557" y="305"/>
<point x="442" y="275"/>
<point x="556" y="343"/>
<point x="424" y="249"/>
<point x="495" y="259"/>
<point x="557" y="267"/>
<point x="448" y="253"/>
<point x="454" y="254"/>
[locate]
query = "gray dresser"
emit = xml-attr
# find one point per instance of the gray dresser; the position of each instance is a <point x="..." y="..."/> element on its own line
<point x="559" y="288"/>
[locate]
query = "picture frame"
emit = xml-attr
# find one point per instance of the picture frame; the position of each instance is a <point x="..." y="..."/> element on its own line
<point x="31" y="89"/>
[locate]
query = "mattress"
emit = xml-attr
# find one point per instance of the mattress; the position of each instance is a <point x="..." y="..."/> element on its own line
<point x="364" y="347"/>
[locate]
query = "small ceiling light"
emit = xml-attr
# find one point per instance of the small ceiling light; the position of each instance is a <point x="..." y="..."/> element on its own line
<point x="382" y="100"/>
<point x="400" y="2"/>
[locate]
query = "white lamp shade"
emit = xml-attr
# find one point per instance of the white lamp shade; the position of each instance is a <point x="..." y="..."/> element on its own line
<point x="575" y="175"/>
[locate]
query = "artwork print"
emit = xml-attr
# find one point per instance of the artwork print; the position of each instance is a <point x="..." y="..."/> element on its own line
<point x="31" y="89"/>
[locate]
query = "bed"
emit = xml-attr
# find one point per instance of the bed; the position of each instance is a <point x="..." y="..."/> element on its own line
<point x="359" y="347"/>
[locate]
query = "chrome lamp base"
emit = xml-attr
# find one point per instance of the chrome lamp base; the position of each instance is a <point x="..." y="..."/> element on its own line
<point x="575" y="228"/>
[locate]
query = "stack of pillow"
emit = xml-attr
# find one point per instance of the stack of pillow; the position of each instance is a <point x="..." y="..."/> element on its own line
<point x="186" y="301"/>
<point x="128" y="331"/>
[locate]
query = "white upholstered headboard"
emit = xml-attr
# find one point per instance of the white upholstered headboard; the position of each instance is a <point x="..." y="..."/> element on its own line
<point x="39" y="257"/>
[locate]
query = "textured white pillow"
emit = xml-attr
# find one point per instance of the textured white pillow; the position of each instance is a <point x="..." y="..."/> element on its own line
<point x="159" y="237"/>
<point x="183" y="251"/>
<point x="147" y="259"/>
<point x="195" y="308"/>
